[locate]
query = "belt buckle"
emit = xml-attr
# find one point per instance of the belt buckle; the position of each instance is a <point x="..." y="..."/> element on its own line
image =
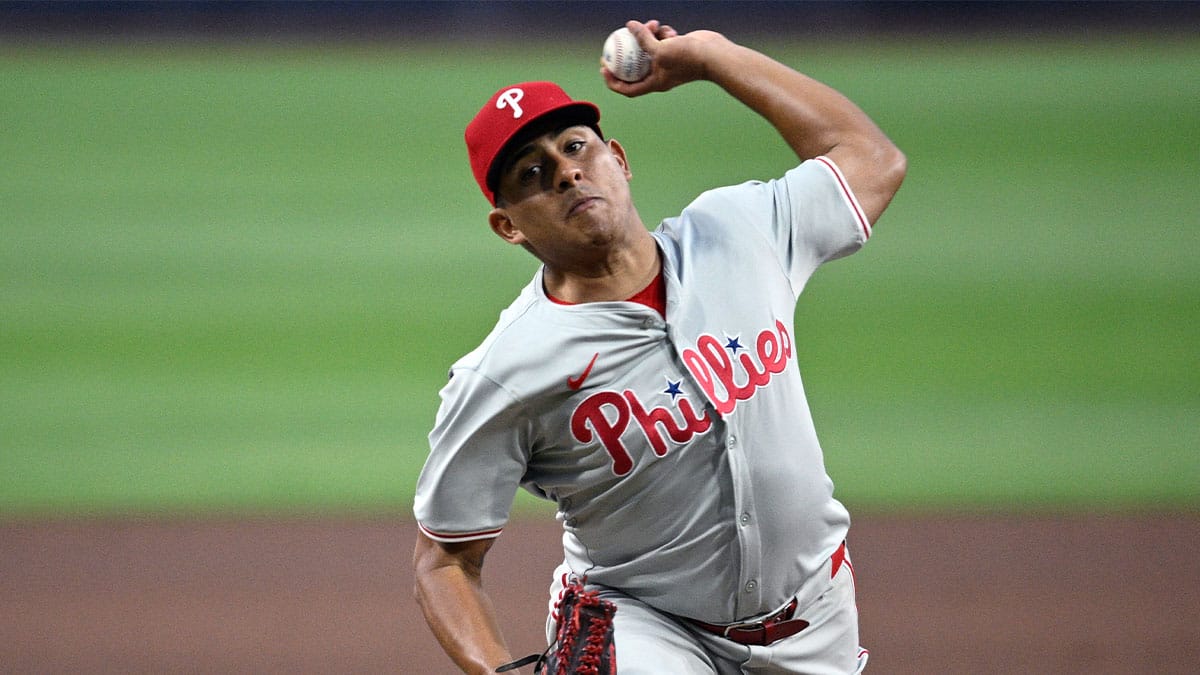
<point x="745" y="626"/>
<point x="784" y="613"/>
<point x="751" y="633"/>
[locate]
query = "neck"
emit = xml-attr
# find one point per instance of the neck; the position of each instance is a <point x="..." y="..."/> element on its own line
<point x="618" y="276"/>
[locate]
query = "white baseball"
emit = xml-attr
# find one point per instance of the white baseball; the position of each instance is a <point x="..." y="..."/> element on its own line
<point x="624" y="57"/>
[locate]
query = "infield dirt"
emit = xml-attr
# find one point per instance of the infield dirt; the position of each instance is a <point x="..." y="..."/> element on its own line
<point x="951" y="594"/>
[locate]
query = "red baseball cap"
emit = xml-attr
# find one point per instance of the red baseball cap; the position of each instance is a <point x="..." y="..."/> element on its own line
<point x="510" y="110"/>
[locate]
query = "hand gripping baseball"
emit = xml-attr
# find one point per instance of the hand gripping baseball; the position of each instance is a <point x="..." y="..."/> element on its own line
<point x="675" y="59"/>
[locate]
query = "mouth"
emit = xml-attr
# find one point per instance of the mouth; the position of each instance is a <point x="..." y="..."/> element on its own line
<point x="582" y="204"/>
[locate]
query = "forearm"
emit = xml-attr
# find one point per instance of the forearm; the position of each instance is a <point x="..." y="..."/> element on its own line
<point x="460" y="614"/>
<point x="813" y="118"/>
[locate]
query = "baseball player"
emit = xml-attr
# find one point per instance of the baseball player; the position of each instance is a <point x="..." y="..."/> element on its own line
<point x="646" y="381"/>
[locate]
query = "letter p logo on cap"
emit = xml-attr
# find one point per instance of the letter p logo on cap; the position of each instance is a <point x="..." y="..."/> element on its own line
<point x="510" y="110"/>
<point x="511" y="98"/>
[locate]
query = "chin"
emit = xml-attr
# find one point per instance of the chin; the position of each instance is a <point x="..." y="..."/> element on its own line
<point x="600" y="234"/>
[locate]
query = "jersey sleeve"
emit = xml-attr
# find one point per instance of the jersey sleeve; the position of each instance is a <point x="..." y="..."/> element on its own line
<point x="809" y="216"/>
<point x="475" y="463"/>
<point x="817" y="218"/>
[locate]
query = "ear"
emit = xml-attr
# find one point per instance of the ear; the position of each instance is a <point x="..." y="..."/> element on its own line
<point x="619" y="153"/>
<point x="504" y="227"/>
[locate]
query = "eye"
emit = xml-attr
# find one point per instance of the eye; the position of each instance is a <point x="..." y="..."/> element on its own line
<point x="574" y="146"/>
<point x="530" y="173"/>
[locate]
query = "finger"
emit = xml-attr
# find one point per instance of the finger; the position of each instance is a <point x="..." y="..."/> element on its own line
<point x="666" y="31"/>
<point x="611" y="81"/>
<point x="609" y="78"/>
<point x="644" y="33"/>
<point x="627" y="89"/>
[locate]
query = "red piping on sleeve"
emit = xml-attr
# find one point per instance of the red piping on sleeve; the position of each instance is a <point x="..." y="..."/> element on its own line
<point x="849" y="195"/>
<point x="458" y="537"/>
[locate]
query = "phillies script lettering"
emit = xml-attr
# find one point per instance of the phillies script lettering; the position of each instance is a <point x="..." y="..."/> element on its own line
<point x="716" y="367"/>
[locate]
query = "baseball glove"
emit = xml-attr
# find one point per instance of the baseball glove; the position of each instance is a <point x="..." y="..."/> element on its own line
<point x="583" y="644"/>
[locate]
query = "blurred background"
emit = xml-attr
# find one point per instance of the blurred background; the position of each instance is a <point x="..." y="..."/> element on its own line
<point x="240" y="246"/>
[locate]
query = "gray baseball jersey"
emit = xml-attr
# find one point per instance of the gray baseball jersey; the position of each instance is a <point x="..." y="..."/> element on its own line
<point x="680" y="452"/>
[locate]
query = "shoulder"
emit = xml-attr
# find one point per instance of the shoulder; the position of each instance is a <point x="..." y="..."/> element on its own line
<point x="516" y="325"/>
<point x="744" y="200"/>
<point x="816" y="186"/>
<point x="520" y="353"/>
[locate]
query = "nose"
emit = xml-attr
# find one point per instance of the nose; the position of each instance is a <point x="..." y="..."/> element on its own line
<point x="569" y="175"/>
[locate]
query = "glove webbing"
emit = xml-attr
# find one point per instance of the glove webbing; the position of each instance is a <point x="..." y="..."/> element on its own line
<point x="591" y="654"/>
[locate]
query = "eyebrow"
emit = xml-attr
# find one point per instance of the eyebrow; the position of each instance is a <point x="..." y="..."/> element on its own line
<point x="529" y="148"/>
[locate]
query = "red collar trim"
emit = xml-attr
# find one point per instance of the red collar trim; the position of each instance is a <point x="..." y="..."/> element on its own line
<point x="654" y="296"/>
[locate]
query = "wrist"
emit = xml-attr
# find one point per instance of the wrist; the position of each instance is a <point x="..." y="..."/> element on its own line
<point x="710" y="51"/>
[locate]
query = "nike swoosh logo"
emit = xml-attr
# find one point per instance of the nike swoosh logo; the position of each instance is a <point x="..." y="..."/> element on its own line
<point x="577" y="382"/>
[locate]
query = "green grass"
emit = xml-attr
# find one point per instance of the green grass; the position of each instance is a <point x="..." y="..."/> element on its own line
<point x="233" y="278"/>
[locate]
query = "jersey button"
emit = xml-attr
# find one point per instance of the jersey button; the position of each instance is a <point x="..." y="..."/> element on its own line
<point x="751" y="585"/>
<point x="744" y="518"/>
<point x="731" y="442"/>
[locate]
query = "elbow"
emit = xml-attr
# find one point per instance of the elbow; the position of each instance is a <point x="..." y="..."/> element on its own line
<point x="893" y="166"/>
<point x="875" y="169"/>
